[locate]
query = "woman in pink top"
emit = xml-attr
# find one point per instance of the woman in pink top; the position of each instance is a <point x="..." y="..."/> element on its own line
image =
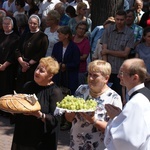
<point x="84" y="45"/>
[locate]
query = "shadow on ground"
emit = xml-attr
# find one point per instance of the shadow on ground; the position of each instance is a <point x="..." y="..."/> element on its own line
<point x="64" y="138"/>
<point x="8" y="129"/>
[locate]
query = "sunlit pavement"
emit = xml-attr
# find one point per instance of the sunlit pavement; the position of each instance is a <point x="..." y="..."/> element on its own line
<point x="6" y="133"/>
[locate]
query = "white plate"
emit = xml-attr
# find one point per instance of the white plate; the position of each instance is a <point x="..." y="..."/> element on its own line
<point x="69" y="111"/>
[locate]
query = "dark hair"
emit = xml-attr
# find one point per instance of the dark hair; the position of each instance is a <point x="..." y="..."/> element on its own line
<point x="65" y="30"/>
<point x="121" y="13"/>
<point x="22" y="20"/>
<point x="32" y="3"/>
<point x="71" y="11"/>
<point x="146" y="30"/>
<point x="82" y="23"/>
<point x="20" y="2"/>
<point x="132" y="11"/>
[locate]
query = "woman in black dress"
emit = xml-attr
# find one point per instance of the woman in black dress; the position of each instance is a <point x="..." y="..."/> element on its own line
<point x="8" y="43"/>
<point x="30" y="51"/>
<point x="39" y="130"/>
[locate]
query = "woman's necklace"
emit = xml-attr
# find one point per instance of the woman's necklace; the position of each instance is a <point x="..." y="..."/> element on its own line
<point x="98" y="94"/>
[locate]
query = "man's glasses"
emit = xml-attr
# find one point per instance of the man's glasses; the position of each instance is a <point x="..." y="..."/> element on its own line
<point x="122" y="73"/>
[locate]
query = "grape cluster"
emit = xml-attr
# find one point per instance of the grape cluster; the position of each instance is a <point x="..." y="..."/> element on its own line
<point x="74" y="103"/>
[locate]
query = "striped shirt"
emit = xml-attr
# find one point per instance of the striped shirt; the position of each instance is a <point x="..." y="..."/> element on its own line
<point x="117" y="41"/>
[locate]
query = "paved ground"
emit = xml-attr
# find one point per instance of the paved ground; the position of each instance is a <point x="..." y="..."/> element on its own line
<point x="6" y="132"/>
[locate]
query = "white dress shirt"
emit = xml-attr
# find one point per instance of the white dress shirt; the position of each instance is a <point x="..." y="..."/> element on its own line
<point x="130" y="130"/>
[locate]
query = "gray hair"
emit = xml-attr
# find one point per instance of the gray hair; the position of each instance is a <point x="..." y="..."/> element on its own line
<point x="60" y="7"/>
<point x="2" y="15"/>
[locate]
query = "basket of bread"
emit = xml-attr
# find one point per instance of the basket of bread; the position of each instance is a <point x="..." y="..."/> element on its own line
<point x="19" y="103"/>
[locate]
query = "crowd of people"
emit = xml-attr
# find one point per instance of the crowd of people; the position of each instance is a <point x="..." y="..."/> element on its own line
<point x="48" y="44"/>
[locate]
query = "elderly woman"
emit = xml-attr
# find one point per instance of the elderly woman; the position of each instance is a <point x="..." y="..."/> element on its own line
<point x="8" y="43"/>
<point x="88" y="128"/>
<point x="52" y="22"/>
<point x="30" y="51"/>
<point x="39" y="130"/>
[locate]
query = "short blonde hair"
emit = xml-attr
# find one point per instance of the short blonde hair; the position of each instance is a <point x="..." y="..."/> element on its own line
<point x="100" y="66"/>
<point x="51" y="64"/>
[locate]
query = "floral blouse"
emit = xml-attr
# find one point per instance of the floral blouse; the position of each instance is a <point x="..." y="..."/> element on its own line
<point x="84" y="135"/>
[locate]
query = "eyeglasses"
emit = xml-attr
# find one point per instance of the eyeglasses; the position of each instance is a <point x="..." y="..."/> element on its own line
<point x="122" y="73"/>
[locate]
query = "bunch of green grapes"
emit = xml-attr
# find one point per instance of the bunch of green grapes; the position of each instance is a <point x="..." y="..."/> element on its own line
<point x="74" y="103"/>
<point x="91" y="104"/>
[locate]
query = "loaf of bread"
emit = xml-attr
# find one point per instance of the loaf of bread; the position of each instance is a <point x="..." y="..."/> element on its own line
<point x="19" y="103"/>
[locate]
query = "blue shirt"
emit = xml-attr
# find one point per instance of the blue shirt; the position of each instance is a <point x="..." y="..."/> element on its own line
<point x="144" y="53"/>
<point x="138" y="32"/>
<point x="126" y="5"/>
<point x="64" y="20"/>
<point x="95" y="35"/>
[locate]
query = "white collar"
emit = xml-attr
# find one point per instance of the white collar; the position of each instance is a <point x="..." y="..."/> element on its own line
<point x="136" y="88"/>
<point x="35" y="31"/>
<point x="9" y="32"/>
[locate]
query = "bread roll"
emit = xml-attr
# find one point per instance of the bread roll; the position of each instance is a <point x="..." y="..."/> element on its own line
<point x="19" y="103"/>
